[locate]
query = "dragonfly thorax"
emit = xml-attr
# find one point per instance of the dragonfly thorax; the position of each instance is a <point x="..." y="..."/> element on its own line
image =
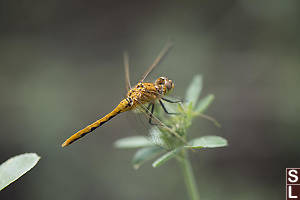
<point x="149" y="92"/>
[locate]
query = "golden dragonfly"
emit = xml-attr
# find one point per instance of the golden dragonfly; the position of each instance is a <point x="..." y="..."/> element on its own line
<point x="139" y="95"/>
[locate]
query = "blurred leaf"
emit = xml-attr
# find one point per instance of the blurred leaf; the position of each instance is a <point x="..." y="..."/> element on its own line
<point x="207" y="142"/>
<point x="156" y="136"/>
<point x="133" y="142"/>
<point x="210" y="119"/>
<point x="204" y="103"/>
<point x="194" y="90"/>
<point x="144" y="154"/>
<point x="15" y="167"/>
<point x="164" y="158"/>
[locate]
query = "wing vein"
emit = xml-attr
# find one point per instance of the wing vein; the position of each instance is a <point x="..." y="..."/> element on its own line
<point x="158" y="59"/>
<point x="126" y="66"/>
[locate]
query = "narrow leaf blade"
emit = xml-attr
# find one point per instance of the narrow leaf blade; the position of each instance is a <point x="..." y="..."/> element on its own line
<point x="145" y="154"/>
<point x="133" y="142"/>
<point x="207" y="142"/>
<point x="156" y="136"/>
<point x="204" y="103"/>
<point x="15" y="167"/>
<point x="194" y="90"/>
<point x="167" y="156"/>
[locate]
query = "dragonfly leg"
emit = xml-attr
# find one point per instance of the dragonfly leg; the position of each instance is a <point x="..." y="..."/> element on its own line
<point x="148" y="107"/>
<point x="171" y="101"/>
<point x="151" y="113"/>
<point x="166" y="111"/>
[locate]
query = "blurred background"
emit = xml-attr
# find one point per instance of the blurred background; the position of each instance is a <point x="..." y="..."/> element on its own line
<point x="62" y="67"/>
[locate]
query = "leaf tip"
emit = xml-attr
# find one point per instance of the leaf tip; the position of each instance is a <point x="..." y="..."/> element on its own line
<point x="136" y="167"/>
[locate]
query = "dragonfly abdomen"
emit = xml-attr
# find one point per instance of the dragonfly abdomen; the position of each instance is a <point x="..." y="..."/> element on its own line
<point x="123" y="106"/>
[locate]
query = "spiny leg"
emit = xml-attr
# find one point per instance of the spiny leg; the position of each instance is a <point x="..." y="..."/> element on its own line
<point x="171" y="101"/>
<point x="168" y="128"/>
<point x="151" y="113"/>
<point x="166" y="111"/>
<point x="148" y="107"/>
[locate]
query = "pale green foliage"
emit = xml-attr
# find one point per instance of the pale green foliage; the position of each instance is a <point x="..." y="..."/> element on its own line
<point x="171" y="141"/>
<point x="15" y="167"/>
<point x="207" y="142"/>
<point x="204" y="103"/>
<point x="145" y="154"/>
<point x="167" y="156"/>
<point x="133" y="142"/>
<point x="194" y="90"/>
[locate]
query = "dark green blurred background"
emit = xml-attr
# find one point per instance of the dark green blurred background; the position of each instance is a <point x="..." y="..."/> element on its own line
<point x="61" y="68"/>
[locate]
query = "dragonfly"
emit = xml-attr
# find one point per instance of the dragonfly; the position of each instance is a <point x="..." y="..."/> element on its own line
<point x="139" y="95"/>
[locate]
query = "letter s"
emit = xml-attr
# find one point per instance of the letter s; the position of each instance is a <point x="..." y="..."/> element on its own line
<point x="293" y="177"/>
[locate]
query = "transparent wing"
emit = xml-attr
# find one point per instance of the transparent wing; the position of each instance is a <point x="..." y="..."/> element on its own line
<point x="126" y="67"/>
<point x="159" y="58"/>
<point x="150" y="131"/>
<point x="160" y="125"/>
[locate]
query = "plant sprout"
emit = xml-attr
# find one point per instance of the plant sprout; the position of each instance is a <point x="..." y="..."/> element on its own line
<point x="171" y="141"/>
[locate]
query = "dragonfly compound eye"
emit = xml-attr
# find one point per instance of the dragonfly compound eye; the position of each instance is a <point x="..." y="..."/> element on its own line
<point x="160" y="81"/>
<point x="169" y="84"/>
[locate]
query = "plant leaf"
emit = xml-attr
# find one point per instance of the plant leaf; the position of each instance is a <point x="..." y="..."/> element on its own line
<point x="156" y="136"/>
<point x="207" y="142"/>
<point x="167" y="156"/>
<point x="204" y="103"/>
<point x="133" y="142"/>
<point x="15" y="167"/>
<point x="194" y="90"/>
<point x="144" y="154"/>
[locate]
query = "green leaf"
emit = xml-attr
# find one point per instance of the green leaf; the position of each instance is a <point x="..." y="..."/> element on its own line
<point x="133" y="142"/>
<point x="167" y="156"/>
<point x="156" y="136"/>
<point x="144" y="154"/>
<point x="15" y="167"/>
<point x="207" y="142"/>
<point x="194" y="90"/>
<point x="204" y="103"/>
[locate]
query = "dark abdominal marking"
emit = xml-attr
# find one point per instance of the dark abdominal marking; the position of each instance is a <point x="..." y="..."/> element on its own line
<point x="129" y="100"/>
<point x="110" y="117"/>
<point x="93" y="128"/>
<point x="73" y="141"/>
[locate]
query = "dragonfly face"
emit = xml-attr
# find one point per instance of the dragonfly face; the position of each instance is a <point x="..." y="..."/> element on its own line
<point x="164" y="85"/>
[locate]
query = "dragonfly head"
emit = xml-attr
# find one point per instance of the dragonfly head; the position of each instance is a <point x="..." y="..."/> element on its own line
<point x="164" y="81"/>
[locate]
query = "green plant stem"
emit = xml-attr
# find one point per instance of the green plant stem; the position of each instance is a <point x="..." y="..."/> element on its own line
<point x="189" y="177"/>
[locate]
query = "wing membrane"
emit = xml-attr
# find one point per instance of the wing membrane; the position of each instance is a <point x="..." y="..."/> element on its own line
<point x="126" y="67"/>
<point x="158" y="59"/>
<point x="159" y="122"/>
